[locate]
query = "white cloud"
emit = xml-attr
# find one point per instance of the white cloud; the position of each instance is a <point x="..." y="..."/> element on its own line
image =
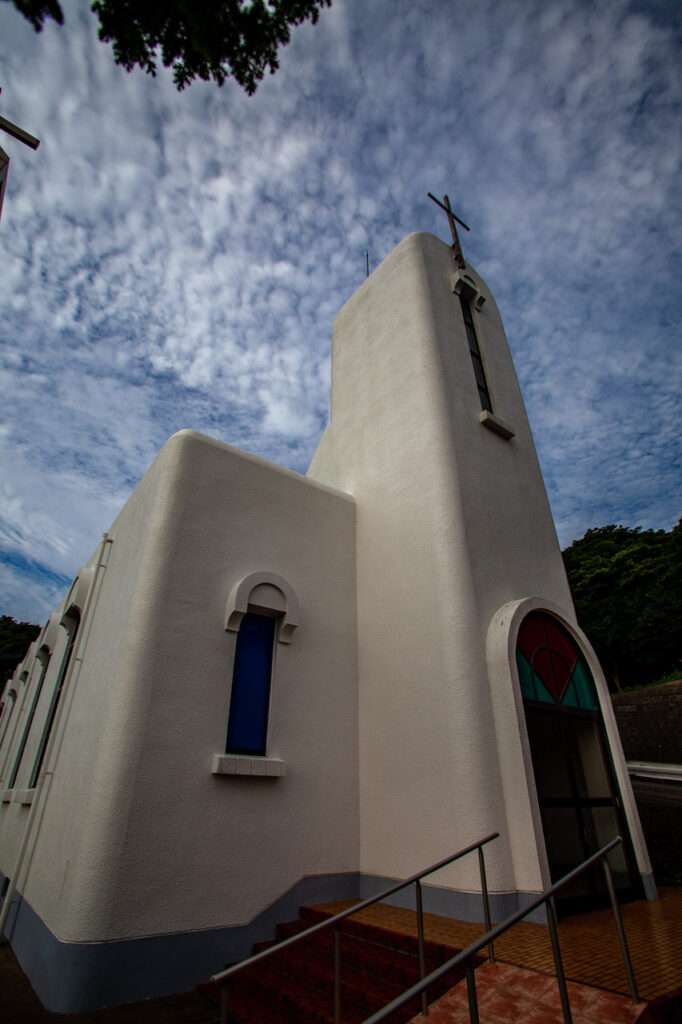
<point x="176" y="260"/>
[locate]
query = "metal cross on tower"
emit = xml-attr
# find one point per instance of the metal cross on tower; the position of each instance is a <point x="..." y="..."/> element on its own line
<point x="445" y="205"/>
<point x="17" y="133"/>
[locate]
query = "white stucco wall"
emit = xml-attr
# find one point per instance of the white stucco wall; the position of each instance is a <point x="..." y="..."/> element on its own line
<point x="453" y="521"/>
<point x="138" y="837"/>
<point x="409" y="551"/>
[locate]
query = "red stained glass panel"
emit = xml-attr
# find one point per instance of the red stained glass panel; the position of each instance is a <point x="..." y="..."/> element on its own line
<point x="550" y="650"/>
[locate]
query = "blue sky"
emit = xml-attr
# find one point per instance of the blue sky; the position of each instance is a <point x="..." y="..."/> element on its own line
<point x="176" y="260"/>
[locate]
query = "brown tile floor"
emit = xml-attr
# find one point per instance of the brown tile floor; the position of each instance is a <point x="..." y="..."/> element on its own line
<point x="589" y="942"/>
<point x="507" y="995"/>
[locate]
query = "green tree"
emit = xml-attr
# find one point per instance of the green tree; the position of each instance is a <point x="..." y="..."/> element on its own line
<point x="627" y="590"/>
<point x="197" y="38"/>
<point x="15" y="639"/>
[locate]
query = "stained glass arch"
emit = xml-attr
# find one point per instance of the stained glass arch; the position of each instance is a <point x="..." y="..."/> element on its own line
<point x="552" y="668"/>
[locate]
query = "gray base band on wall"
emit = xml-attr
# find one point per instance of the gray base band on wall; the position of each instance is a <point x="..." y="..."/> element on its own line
<point x="72" y="977"/>
<point x="464" y="906"/>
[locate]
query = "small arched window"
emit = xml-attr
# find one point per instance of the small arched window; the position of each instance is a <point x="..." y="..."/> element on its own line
<point x="71" y="622"/>
<point x="43" y="657"/>
<point x="7" y="709"/>
<point x="262" y="610"/>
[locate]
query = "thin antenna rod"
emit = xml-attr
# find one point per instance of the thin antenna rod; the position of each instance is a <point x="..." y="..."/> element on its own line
<point x="367" y="255"/>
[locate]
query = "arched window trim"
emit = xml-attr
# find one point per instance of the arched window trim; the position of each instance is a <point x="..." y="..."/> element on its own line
<point x="10" y="721"/>
<point x="7" y="712"/>
<point x="71" y="621"/>
<point x="238" y="603"/>
<point x="48" y="637"/>
<point x="501" y="640"/>
<point x="43" y="655"/>
<point x="561" y="699"/>
<point x="46" y="640"/>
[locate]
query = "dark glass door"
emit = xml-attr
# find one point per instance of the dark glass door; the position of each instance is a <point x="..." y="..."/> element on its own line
<point x="579" y="803"/>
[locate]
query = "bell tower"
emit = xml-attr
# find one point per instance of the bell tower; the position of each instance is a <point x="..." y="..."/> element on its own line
<point x="429" y="433"/>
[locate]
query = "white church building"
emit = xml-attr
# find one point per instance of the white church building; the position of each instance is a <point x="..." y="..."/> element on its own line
<point x="266" y="689"/>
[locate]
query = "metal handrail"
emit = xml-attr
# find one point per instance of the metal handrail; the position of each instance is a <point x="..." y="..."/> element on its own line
<point x="494" y="933"/>
<point x="223" y="976"/>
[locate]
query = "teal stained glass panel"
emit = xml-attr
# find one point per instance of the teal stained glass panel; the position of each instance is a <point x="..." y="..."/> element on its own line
<point x="531" y="686"/>
<point x="582" y="681"/>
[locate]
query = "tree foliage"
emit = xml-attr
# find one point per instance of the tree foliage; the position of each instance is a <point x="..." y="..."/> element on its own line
<point x="38" y="10"/>
<point x="15" y="639"/>
<point x="627" y="590"/>
<point x="207" y="39"/>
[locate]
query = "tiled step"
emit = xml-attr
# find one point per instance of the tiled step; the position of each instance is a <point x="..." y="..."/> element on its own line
<point x="437" y="951"/>
<point x="296" y="985"/>
<point x="301" y="1000"/>
<point x="366" y="954"/>
<point x="361" y="991"/>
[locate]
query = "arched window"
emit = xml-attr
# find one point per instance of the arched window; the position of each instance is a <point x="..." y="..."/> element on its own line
<point x="262" y="610"/>
<point x="43" y="657"/>
<point x="7" y="709"/>
<point x="578" y="796"/>
<point x="71" y="622"/>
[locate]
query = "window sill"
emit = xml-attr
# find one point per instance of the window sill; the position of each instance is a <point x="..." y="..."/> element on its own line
<point x="257" y="767"/>
<point x="17" y="796"/>
<point x="495" y="424"/>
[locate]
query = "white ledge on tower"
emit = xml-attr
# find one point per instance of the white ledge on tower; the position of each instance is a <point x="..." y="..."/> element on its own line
<point x="257" y="767"/>
<point x="492" y="422"/>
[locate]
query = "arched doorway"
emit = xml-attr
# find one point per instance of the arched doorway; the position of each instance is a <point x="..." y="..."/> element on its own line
<point x="580" y="804"/>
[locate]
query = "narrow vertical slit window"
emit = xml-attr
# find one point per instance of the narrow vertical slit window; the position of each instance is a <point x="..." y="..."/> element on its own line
<point x="250" y="697"/>
<point x="476" y="357"/>
<point x="72" y="622"/>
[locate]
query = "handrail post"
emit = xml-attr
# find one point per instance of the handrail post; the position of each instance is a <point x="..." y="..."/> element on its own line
<point x="621" y="931"/>
<point x="486" y="903"/>
<point x="420" y="937"/>
<point x="471" y="992"/>
<point x="560" y="977"/>
<point x="334" y="922"/>
<point x="337" y="975"/>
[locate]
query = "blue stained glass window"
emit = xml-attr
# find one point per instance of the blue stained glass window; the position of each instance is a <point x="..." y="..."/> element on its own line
<point x="250" y="699"/>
